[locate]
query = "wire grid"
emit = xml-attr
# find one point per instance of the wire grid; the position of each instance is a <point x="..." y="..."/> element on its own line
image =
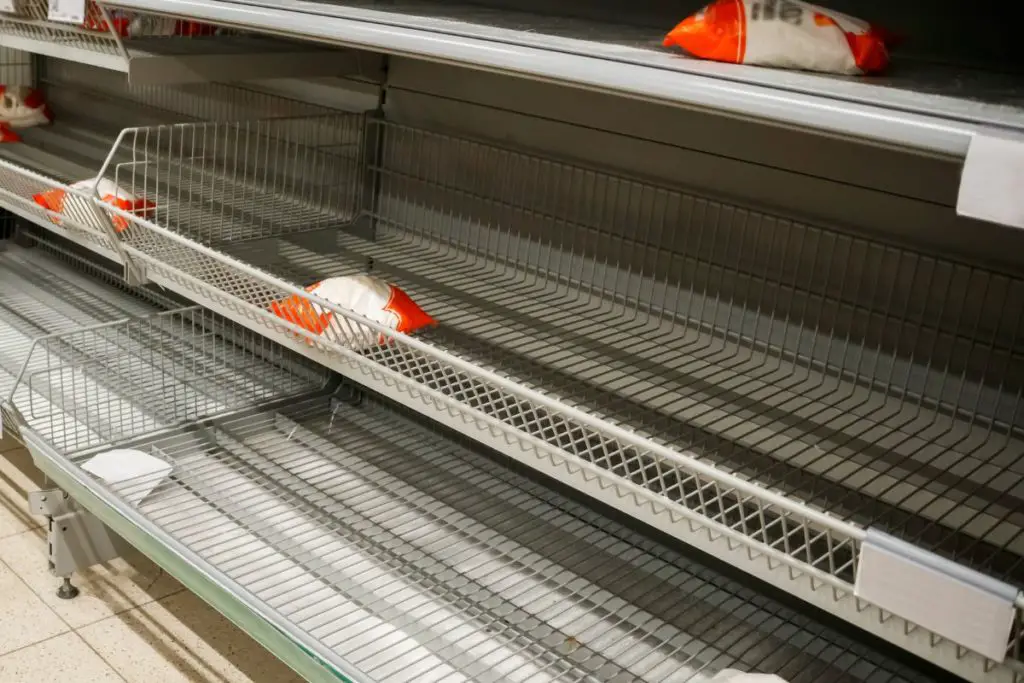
<point x="727" y="360"/>
<point x="707" y="500"/>
<point x="873" y="381"/>
<point x="504" y="354"/>
<point x="192" y="101"/>
<point x="113" y="382"/>
<point x="217" y="182"/>
<point x="78" y="221"/>
<point x="15" y="67"/>
<point x="46" y="290"/>
<point x="97" y="32"/>
<point x="31" y="20"/>
<point x="416" y="560"/>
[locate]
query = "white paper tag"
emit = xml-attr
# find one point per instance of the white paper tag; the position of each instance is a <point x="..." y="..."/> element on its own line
<point x="992" y="181"/>
<point x="67" y="11"/>
<point x="132" y="474"/>
<point x="8" y="6"/>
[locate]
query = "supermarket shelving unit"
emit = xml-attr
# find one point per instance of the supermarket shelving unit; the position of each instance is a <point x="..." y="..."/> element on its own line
<point x="148" y="51"/>
<point x="737" y="305"/>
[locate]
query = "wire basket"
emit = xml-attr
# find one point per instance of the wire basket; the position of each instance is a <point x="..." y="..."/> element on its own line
<point x="116" y="382"/>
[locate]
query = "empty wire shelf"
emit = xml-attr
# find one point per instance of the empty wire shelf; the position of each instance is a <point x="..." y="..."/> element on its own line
<point x="760" y="387"/>
<point x="155" y="49"/>
<point x="389" y="553"/>
<point x="91" y="113"/>
<point x="47" y="289"/>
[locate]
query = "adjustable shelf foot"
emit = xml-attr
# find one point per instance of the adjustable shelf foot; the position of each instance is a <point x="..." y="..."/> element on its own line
<point x="67" y="590"/>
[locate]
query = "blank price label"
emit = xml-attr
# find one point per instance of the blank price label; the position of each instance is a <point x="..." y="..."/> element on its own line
<point x="67" y="11"/>
<point x="992" y="182"/>
<point x="8" y="6"/>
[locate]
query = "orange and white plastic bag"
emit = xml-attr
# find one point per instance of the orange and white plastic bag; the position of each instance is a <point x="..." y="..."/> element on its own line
<point x="21" y="107"/>
<point x="130" y="25"/>
<point x="59" y="202"/>
<point x="367" y="296"/>
<point x="788" y="34"/>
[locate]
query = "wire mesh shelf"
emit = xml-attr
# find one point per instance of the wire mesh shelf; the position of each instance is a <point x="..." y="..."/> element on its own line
<point x="408" y="558"/>
<point x="103" y="384"/>
<point x="739" y="379"/>
<point x="223" y="182"/>
<point x="161" y="49"/>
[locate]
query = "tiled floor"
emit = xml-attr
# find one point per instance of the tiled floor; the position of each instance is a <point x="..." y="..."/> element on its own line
<point x="131" y="623"/>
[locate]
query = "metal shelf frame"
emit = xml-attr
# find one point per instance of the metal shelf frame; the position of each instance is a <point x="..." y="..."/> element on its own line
<point x="765" y="530"/>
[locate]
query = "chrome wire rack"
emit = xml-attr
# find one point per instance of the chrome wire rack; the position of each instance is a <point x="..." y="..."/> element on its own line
<point x="720" y="372"/>
<point x="404" y="557"/>
<point x="101" y="384"/>
<point x="220" y="182"/>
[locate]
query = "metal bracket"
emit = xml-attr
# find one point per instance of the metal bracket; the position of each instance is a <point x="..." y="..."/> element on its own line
<point x="79" y="540"/>
<point x="49" y="503"/>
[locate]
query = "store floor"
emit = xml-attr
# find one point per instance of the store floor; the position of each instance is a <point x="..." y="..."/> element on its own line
<point x="131" y="623"/>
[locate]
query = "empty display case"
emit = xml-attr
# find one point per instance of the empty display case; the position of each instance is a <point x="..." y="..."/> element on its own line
<point x="751" y="310"/>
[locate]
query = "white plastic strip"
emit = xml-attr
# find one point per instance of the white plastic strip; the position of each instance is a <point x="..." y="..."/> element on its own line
<point x="992" y="182"/>
<point x="969" y="608"/>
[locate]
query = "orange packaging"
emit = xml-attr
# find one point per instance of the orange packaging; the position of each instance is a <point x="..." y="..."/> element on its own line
<point x="782" y="33"/>
<point x="108" y="191"/>
<point x="21" y="107"/>
<point x="371" y="298"/>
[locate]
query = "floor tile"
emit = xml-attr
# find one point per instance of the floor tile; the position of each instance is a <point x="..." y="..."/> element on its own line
<point x="64" y="658"/>
<point x="105" y="590"/>
<point x="24" y="618"/>
<point x="182" y="639"/>
<point x="18" y="476"/>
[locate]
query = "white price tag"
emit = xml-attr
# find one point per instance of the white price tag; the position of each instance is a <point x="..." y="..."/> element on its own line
<point x="992" y="181"/>
<point x="8" y="6"/>
<point x="67" y="11"/>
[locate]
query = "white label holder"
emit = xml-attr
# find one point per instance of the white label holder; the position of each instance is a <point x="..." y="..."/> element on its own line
<point x="992" y="180"/>
<point x="67" y="11"/>
<point x="965" y="606"/>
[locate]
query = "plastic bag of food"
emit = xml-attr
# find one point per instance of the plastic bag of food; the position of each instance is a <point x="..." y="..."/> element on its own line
<point x="371" y="298"/>
<point x="21" y="107"/>
<point x="143" y="26"/>
<point x="782" y="33"/>
<point x="734" y="676"/>
<point x="95" y="21"/>
<point x="59" y="202"/>
<point x="130" y="25"/>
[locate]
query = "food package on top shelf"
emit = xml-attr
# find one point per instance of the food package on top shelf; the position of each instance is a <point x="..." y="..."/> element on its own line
<point x="734" y="676"/>
<point x="143" y="26"/>
<point x="127" y="25"/>
<point x="59" y="201"/>
<point x="782" y="33"/>
<point x="367" y="296"/>
<point x="21" y="107"/>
